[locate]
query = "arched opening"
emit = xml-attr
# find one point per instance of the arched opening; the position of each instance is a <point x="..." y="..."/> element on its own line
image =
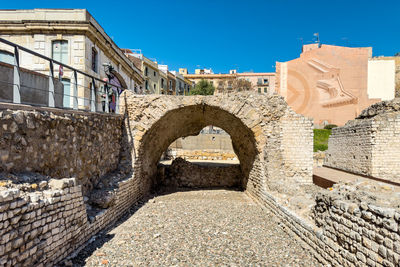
<point x="188" y="121"/>
<point x="205" y="160"/>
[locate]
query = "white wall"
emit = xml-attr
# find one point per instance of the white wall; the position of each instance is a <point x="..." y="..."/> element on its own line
<point x="381" y="79"/>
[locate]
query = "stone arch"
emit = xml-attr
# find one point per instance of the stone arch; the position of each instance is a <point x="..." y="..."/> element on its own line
<point x="259" y="125"/>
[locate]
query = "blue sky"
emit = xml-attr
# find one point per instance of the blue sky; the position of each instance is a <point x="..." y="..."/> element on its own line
<point x="244" y="35"/>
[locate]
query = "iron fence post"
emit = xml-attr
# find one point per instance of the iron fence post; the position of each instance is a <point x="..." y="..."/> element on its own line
<point x="51" y="85"/>
<point x="117" y="102"/>
<point x="93" y="97"/>
<point x="75" y="104"/>
<point x="106" y="92"/>
<point x="16" y="78"/>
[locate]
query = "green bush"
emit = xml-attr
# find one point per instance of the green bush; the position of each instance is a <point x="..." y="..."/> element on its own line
<point x="321" y="137"/>
<point x="320" y="147"/>
<point x="330" y="126"/>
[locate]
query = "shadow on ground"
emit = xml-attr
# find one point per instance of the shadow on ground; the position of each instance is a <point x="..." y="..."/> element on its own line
<point x="79" y="258"/>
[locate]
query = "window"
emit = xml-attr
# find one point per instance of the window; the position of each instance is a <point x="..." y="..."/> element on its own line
<point x="146" y="85"/>
<point x="155" y="74"/>
<point x="154" y="86"/>
<point x="259" y="90"/>
<point x="60" y="51"/>
<point x="162" y="83"/>
<point x="170" y="85"/>
<point x="265" y="89"/>
<point x="94" y="59"/>
<point x="7" y="57"/>
<point x="67" y="93"/>
<point x="259" y="81"/>
<point x="146" y="71"/>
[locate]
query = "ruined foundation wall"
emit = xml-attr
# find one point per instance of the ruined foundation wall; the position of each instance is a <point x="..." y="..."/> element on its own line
<point x="368" y="146"/>
<point x="182" y="173"/>
<point x="59" y="143"/>
<point x="344" y="232"/>
<point x="204" y="154"/>
<point x="350" y="147"/>
<point x="386" y="153"/>
<point x="359" y="230"/>
<point x="43" y="227"/>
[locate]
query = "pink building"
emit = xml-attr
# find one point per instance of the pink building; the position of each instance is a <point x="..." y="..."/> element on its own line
<point x="328" y="83"/>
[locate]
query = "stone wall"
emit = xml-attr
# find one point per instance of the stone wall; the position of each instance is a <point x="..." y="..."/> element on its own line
<point x="42" y="223"/>
<point x="350" y="226"/>
<point x="369" y="145"/>
<point x="182" y="173"/>
<point x="203" y="147"/>
<point x="360" y="226"/>
<point x="60" y="143"/>
<point x="204" y="154"/>
<point x="42" y="226"/>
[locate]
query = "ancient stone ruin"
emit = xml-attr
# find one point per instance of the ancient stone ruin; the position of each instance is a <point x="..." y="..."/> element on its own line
<point x="66" y="175"/>
<point x="372" y="143"/>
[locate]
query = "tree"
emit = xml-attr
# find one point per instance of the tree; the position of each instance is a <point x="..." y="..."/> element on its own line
<point x="241" y="85"/>
<point x="237" y="85"/>
<point x="397" y="54"/>
<point x="203" y="87"/>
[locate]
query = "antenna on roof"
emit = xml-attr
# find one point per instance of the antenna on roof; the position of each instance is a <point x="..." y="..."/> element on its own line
<point x="317" y="36"/>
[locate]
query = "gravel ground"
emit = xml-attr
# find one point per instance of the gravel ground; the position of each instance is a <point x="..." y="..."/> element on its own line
<point x="197" y="228"/>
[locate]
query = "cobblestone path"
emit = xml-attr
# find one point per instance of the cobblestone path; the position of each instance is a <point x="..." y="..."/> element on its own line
<point x="197" y="228"/>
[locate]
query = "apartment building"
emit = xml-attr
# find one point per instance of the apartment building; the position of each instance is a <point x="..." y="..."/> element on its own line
<point x="261" y="82"/>
<point x="180" y="83"/>
<point x="73" y="37"/>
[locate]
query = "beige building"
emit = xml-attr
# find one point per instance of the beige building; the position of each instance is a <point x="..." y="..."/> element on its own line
<point x="150" y="71"/>
<point x="157" y="78"/>
<point x="261" y="82"/>
<point x="188" y="85"/>
<point x="180" y="83"/>
<point x="396" y="60"/>
<point x="163" y="82"/>
<point x="73" y="37"/>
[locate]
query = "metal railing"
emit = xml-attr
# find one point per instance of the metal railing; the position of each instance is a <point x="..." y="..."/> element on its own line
<point x="23" y="92"/>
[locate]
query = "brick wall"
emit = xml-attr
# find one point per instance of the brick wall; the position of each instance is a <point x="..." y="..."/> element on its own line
<point x="368" y="146"/>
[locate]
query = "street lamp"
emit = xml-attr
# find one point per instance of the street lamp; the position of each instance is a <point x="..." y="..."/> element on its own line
<point x="108" y="69"/>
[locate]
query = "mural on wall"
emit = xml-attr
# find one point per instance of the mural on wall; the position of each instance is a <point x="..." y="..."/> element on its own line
<point x="330" y="87"/>
<point x="326" y="83"/>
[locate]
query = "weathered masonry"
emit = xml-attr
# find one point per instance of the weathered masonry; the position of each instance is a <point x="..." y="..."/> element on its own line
<point x="44" y="221"/>
<point x="269" y="139"/>
<point x="98" y="166"/>
<point x="370" y="144"/>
